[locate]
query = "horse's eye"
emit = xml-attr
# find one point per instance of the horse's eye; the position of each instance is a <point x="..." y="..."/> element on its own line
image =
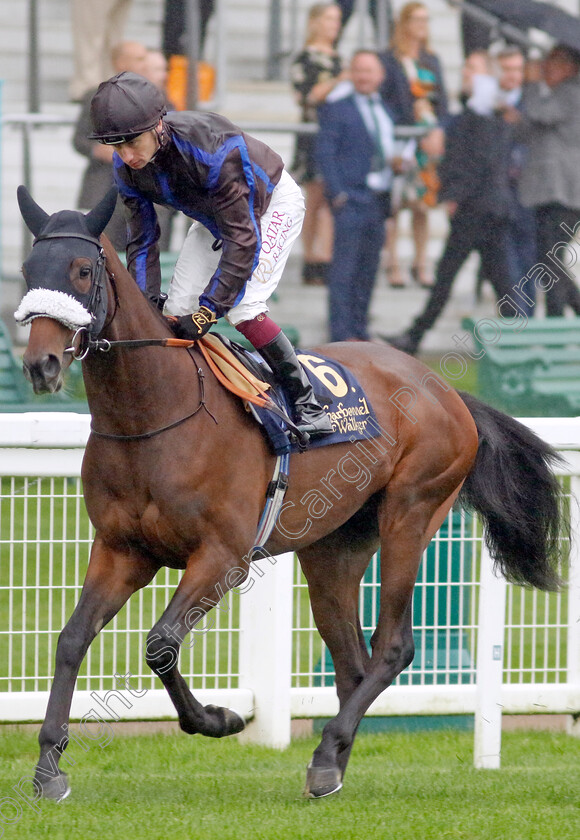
<point x="81" y="275"/>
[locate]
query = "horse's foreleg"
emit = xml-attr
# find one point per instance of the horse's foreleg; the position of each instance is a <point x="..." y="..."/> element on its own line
<point x="201" y="587"/>
<point x="111" y="579"/>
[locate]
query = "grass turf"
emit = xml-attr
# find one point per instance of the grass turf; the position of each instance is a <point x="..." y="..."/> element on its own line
<point x="400" y="786"/>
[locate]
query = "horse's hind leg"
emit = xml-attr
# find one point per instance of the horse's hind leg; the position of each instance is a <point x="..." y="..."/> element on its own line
<point x="111" y="579"/>
<point x="406" y="529"/>
<point x="334" y="569"/>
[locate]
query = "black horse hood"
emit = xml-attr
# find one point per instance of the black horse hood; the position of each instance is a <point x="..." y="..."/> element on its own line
<point x="59" y="286"/>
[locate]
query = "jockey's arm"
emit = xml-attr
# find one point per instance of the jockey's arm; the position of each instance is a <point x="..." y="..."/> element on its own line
<point x="238" y="223"/>
<point x="143" y="245"/>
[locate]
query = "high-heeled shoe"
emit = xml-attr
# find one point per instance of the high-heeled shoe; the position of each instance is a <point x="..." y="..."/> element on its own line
<point x="314" y="274"/>
<point x="394" y="279"/>
<point x="421" y="277"/>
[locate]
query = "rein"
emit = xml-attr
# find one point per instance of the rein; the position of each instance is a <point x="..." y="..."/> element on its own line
<point x="103" y="345"/>
<point x="262" y="400"/>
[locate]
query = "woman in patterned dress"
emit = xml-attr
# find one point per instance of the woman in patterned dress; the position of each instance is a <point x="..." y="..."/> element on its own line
<point x="415" y="91"/>
<point x="315" y="73"/>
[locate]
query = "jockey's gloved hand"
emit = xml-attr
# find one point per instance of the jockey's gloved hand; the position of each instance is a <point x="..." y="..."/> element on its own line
<point x="192" y="327"/>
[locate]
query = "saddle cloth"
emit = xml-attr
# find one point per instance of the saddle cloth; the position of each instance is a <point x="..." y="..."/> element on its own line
<point x="335" y="387"/>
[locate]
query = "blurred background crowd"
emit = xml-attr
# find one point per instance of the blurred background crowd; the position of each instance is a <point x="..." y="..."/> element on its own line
<point x="383" y="141"/>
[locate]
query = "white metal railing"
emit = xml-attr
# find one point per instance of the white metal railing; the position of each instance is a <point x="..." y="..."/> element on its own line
<point x="482" y="647"/>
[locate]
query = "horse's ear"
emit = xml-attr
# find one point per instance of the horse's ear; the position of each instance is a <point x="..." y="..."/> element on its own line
<point x="33" y="215"/>
<point x="99" y="216"/>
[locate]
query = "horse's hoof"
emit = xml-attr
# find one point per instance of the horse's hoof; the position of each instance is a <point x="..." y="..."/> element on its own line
<point x="231" y="722"/>
<point x="56" y="789"/>
<point x="322" y="781"/>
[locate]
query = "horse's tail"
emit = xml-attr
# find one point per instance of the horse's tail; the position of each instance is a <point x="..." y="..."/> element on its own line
<point x="513" y="488"/>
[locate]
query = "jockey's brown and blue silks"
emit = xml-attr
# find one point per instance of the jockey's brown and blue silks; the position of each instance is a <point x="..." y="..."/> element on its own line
<point x="214" y="173"/>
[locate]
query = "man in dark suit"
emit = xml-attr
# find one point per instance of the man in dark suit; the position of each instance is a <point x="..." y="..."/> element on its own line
<point x="475" y="188"/>
<point x="354" y="153"/>
<point x="521" y="233"/>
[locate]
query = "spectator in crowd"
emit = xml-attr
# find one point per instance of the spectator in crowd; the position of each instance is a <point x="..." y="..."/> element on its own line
<point x="475" y="187"/>
<point x="414" y="90"/>
<point x="156" y="70"/>
<point x="315" y="72"/>
<point x="348" y="7"/>
<point x="475" y="35"/>
<point x="550" y="180"/>
<point x="175" y="26"/>
<point x="176" y="46"/>
<point x="98" y="176"/>
<point x="97" y="26"/>
<point x="521" y="233"/>
<point x="354" y="153"/>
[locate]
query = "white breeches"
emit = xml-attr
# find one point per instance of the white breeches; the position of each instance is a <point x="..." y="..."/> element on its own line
<point x="280" y="227"/>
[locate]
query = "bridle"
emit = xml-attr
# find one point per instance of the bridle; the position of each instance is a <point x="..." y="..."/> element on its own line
<point x="96" y="304"/>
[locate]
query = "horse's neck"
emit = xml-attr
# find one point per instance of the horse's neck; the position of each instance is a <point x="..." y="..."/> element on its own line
<point x="127" y="388"/>
<point x="129" y="314"/>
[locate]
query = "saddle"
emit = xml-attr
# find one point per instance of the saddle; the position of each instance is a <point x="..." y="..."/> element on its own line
<point x="247" y="375"/>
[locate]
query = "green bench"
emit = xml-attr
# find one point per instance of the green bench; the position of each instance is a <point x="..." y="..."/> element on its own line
<point x="532" y="370"/>
<point x="16" y="394"/>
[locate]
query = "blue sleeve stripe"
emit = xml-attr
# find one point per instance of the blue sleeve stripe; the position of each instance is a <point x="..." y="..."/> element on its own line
<point x="141" y="270"/>
<point x="264" y="177"/>
<point x="249" y="173"/>
<point x="149" y="219"/>
<point x="215" y="162"/>
<point x="204" y="298"/>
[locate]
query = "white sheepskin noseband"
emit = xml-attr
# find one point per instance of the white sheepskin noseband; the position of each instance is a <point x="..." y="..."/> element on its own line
<point x="49" y="303"/>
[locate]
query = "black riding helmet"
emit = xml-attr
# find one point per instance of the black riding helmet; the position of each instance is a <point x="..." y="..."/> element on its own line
<point x="124" y="107"/>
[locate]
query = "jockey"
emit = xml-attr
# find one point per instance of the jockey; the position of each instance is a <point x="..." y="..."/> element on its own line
<point x="247" y="213"/>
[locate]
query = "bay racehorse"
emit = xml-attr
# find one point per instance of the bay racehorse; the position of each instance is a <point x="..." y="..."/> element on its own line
<point x="175" y="474"/>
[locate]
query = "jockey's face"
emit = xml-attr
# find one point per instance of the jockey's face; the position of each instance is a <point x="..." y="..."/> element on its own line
<point x="137" y="153"/>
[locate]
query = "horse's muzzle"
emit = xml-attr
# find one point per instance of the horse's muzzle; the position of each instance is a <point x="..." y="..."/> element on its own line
<point x="44" y="359"/>
<point x="44" y="373"/>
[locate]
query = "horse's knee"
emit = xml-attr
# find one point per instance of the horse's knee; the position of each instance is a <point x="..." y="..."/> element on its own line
<point x="161" y="651"/>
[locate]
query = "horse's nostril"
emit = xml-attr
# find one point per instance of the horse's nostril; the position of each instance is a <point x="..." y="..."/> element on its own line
<point x="52" y="366"/>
